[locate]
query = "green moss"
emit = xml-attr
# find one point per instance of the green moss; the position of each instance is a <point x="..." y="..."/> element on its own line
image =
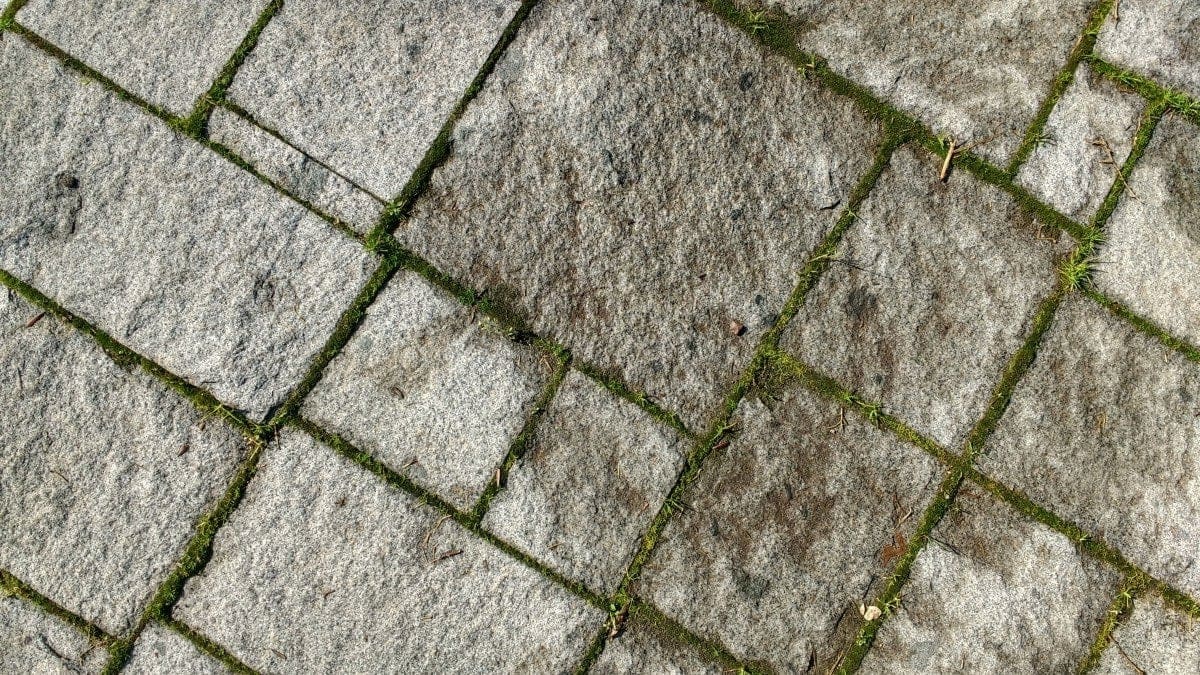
<point x="1149" y="122"/>
<point x="1144" y="325"/>
<point x="1181" y="102"/>
<point x="209" y="647"/>
<point x="12" y="586"/>
<point x="1118" y="610"/>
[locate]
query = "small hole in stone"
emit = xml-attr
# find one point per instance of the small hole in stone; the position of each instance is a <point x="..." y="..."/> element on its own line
<point x="68" y="181"/>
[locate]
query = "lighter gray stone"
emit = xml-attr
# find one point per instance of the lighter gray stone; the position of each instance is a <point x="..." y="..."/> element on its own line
<point x="161" y="651"/>
<point x="643" y="648"/>
<point x="788" y="530"/>
<point x="1153" y="639"/>
<point x="993" y="592"/>
<point x="168" y="52"/>
<point x="1152" y="256"/>
<point x="1088" y="136"/>
<point x="975" y="70"/>
<point x="103" y="473"/>
<point x="930" y="293"/>
<point x="159" y="241"/>
<point x="303" y="176"/>
<point x="1159" y="38"/>
<point x="430" y="390"/>
<point x="324" y="567"/>
<point x="1105" y="431"/>
<point x="636" y="176"/>
<point x="366" y="87"/>
<point x="32" y="641"/>
<point x="592" y="481"/>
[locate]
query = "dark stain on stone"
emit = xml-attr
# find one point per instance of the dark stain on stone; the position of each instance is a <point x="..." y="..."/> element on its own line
<point x="746" y="81"/>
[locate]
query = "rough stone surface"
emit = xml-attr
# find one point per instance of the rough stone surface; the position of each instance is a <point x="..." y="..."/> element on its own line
<point x="303" y="176"/>
<point x="160" y="650"/>
<point x="32" y="641"/>
<point x="1153" y="639"/>
<point x="1153" y="249"/>
<point x="641" y="648"/>
<point x="993" y="592"/>
<point x="96" y="499"/>
<point x="635" y="195"/>
<point x="1088" y="136"/>
<point x="1159" y="38"/>
<point x="160" y="242"/>
<point x="1105" y="431"/>
<point x="168" y="52"/>
<point x="366" y="87"/>
<point x="593" y="480"/>
<point x="427" y="389"/>
<point x="932" y="291"/>
<point x="975" y="70"/>
<point x="788" y="530"/>
<point x="325" y="567"/>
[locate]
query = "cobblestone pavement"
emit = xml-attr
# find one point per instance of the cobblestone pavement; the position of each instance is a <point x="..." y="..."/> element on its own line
<point x="623" y="335"/>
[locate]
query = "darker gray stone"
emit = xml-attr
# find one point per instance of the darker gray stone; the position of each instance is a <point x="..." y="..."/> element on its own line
<point x="1159" y="38"/>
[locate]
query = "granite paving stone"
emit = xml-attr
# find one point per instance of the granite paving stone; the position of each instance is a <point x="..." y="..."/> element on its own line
<point x="325" y="567"/>
<point x="1149" y="262"/>
<point x="168" y="52"/>
<point x="1158" y="38"/>
<point x="1105" y="432"/>
<point x="993" y="592"/>
<point x="595" y="476"/>
<point x="1153" y="639"/>
<point x="973" y="70"/>
<point x="642" y="648"/>
<point x="437" y="393"/>
<point x="161" y="650"/>
<point x="787" y="530"/>
<point x="104" y="471"/>
<point x="366" y="86"/>
<point x="644" y="201"/>
<point x="931" y="292"/>
<point x="32" y="641"/>
<point x="1086" y="139"/>
<point x="160" y="242"/>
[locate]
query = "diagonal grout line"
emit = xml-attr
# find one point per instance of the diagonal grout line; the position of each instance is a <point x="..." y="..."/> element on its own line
<point x="1180" y="101"/>
<point x="10" y="12"/>
<point x="1119" y="609"/>
<point x="11" y="585"/>
<point x="207" y="646"/>
<point x="1183" y="347"/>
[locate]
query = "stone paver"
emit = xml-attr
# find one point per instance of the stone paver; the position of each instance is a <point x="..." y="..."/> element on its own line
<point x="1153" y="639"/>
<point x="161" y="650"/>
<point x="1159" y="38"/>
<point x="929" y="296"/>
<point x="366" y="87"/>
<point x="1153" y="249"/>
<point x="1086" y="139"/>
<point x="427" y="388"/>
<point x="994" y="593"/>
<point x="644" y="201"/>
<point x="160" y="242"/>
<point x="1105" y="431"/>
<point x="324" y="567"/>
<point x="975" y="70"/>
<point x="32" y="641"/>
<point x="788" y="530"/>
<point x="641" y="648"/>
<point x="103" y="474"/>
<point x="598" y="471"/>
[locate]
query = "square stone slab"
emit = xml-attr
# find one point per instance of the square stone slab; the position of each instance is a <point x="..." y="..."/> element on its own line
<point x="930" y="293"/>
<point x="1088" y="136"/>
<point x="32" y="641"/>
<point x="104" y="472"/>
<point x="430" y="390"/>
<point x="1159" y="38"/>
<point x="635" y="195"/>
<point x="592" y="481"/>
<point x="159" y="241"/>
<point x="787" y="530"/>
<point x="160" y="650"/>
<point x="1104" y="430"/>
<point x="168" y="52"/>
<point x="1153" y="639"/>
<point x="976" y="70"/>
<point x="365" y="87"/>
<point x="643" y="648"/>
<point x="1152" y="256"/>
<point x="325" y="567"/>
<point x="993" y="592"/>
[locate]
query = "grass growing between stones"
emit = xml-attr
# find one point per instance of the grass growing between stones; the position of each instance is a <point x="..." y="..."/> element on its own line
<point x="13" y="587"/>
<point x="1181" y="102"/>
<point x="209" y="647"/>
<point x="1118" y="610"/>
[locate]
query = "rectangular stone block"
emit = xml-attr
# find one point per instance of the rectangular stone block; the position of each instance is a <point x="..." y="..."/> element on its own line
<point x="426" y="388"/>
<point x="32" y="641"/>
<point x="365" y="87"/>
<point x="160" y="650"/>
<point x="1159" y="38"/>
<point x="643" y="200"/>
<point x="168" y="52"/>
<point x="325" y="567"/>
<point x="160" y="242"/>
<point x="1153" y="639"/>
<point x="1105" y="431"/>
<point x="104" y="472"/>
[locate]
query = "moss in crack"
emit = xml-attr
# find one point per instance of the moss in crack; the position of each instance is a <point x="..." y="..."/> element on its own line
<point x="1141" y="140"/>
<point x="1181" y="102"/>
<point x="1146" y="326"/>
<point x="12" y="586"/>
<point x="1118" y="610"/>
<point x="209" y="647"/>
